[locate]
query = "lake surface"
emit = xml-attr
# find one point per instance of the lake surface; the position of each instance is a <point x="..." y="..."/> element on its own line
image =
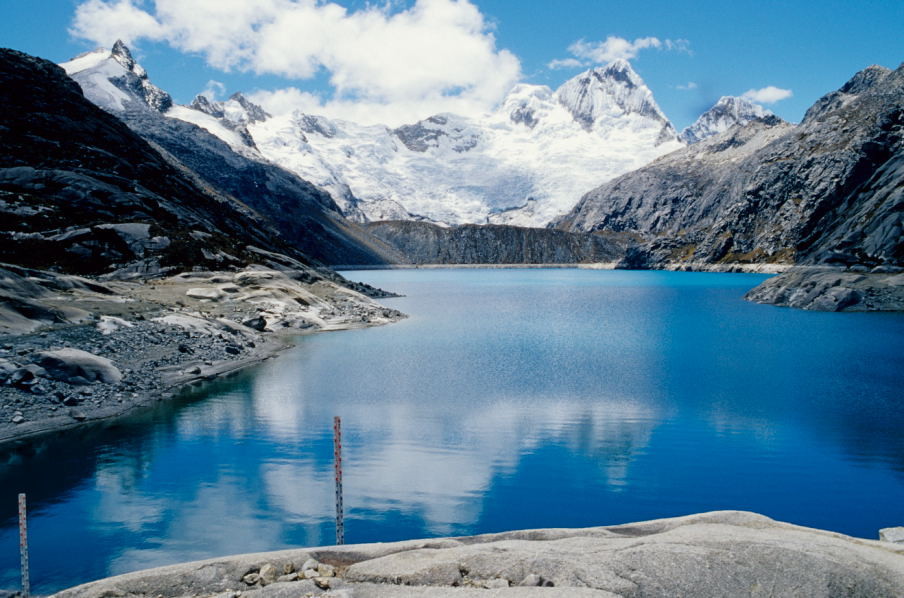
<point x="509" y="399"/>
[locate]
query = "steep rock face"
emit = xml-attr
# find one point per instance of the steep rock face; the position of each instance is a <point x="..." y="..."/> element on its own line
<point x="827" y="191"/>
<point x="523" y="164"/>
<point x="306" y="216"/>
<point x="726" y="113"/>
<point x="425" y="243"/>
<point x="81" y="193"/>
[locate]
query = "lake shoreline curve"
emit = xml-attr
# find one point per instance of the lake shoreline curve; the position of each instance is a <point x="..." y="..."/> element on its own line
<point x="93" y="351"/>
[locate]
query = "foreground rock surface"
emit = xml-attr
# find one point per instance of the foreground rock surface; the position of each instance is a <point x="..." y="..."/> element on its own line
<point x="723" y="553"/>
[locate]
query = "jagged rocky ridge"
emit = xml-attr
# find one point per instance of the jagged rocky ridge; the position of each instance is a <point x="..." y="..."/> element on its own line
<point x="726" y="113"/>
<point x="524" y="163"/>
<point x="827" y="192"/>
<point x="83" y="194"/>
<point x="426" y="243"/>
<point x="306" y="216"/>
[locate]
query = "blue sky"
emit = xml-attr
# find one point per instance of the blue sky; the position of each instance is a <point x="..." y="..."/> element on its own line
<point x="403" y="60"/>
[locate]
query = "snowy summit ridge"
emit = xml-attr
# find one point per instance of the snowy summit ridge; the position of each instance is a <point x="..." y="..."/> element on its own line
<point x="726" y="113"/>
<point x="525" y="163"/>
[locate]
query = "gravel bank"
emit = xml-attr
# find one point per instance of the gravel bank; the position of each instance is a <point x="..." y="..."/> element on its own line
<point x="158" y="336"/>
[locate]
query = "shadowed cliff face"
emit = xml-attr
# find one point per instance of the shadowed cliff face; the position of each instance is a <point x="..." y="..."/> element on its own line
<point x="828" y="191"/>
<point x="425" y="243"/>
<point x="81" y="193"/>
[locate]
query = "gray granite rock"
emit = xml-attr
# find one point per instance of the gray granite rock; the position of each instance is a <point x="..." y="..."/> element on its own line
<point x="78" y="367"/>
<point x="724" y="553"/>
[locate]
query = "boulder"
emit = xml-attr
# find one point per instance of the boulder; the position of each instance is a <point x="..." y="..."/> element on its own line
<point x="75" y="366"/>
<point x="268" y="574"/>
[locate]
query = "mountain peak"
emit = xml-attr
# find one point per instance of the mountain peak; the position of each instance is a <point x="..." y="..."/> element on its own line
<point x="252" y="112"/>
<point x="609" y="92"/>
<point x="121" y="54"/>
<point x="724" y="114"/>
<point x="115" y="81"/>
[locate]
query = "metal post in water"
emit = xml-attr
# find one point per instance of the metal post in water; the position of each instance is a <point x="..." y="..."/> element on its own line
<point x="23" y="545"/>
<point x="337" y="463"/>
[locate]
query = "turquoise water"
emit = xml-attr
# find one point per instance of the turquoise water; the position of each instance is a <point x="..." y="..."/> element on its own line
<point x="509" y="399"/>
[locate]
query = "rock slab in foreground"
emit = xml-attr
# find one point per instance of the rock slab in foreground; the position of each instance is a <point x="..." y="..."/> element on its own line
<point x="723" y="553"/>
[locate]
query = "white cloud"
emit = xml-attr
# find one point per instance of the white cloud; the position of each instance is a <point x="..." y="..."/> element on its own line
<point x="564" y="63"/>
<point x="104" y="22"/>
<point x="767" y="95"/>
<point x="613" y="48"/>
<point x="687" y="86"/>
<point x="435" y="53"/>
<point x="586" y="53"/>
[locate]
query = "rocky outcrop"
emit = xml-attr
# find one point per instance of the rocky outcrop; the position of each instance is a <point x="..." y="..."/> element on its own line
<point x="828" y="191"/>
<point x="425" y="243"/>
<point x="726" y="553"/>
<point x="830" y="289"/>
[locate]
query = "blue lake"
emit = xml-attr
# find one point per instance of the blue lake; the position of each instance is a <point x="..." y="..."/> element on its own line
<point x="509" y="399"/>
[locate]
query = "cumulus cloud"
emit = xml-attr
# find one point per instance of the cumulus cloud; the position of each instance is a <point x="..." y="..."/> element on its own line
<point x="613" y="48"/>
<point x="586" y="53"/>
<point x="690" y="85"/>
<point x="564" y="63"/>
<point x="105" y="22"/>
<point x="767" y="95"/>
<point x="433" y="53"/>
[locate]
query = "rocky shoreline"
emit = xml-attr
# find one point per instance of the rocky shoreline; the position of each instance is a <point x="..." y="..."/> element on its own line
<point x="99" y="350"/>
<point x="832" y="289"/>
<point x="722" y="553"/>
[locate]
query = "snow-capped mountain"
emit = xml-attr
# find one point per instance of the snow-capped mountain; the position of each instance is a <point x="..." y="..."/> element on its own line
<point x="726" y="113"/>
<point x="113" y="80"/>
<point x="525" y="163"/>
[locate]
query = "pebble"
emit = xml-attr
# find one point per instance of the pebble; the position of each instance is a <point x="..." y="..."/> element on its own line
<point x="325" y="570"/>
<point x="268" y="574"/>
<point x="309" y="564"/>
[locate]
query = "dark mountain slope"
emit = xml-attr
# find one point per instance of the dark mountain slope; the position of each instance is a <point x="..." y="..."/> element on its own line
<point x="827" y="192"/>
<point x="306" y="216"/>
<point x="80" y="192"/>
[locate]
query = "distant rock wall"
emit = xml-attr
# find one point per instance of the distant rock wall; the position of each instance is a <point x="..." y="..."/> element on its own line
<point x="425" y="243"/>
